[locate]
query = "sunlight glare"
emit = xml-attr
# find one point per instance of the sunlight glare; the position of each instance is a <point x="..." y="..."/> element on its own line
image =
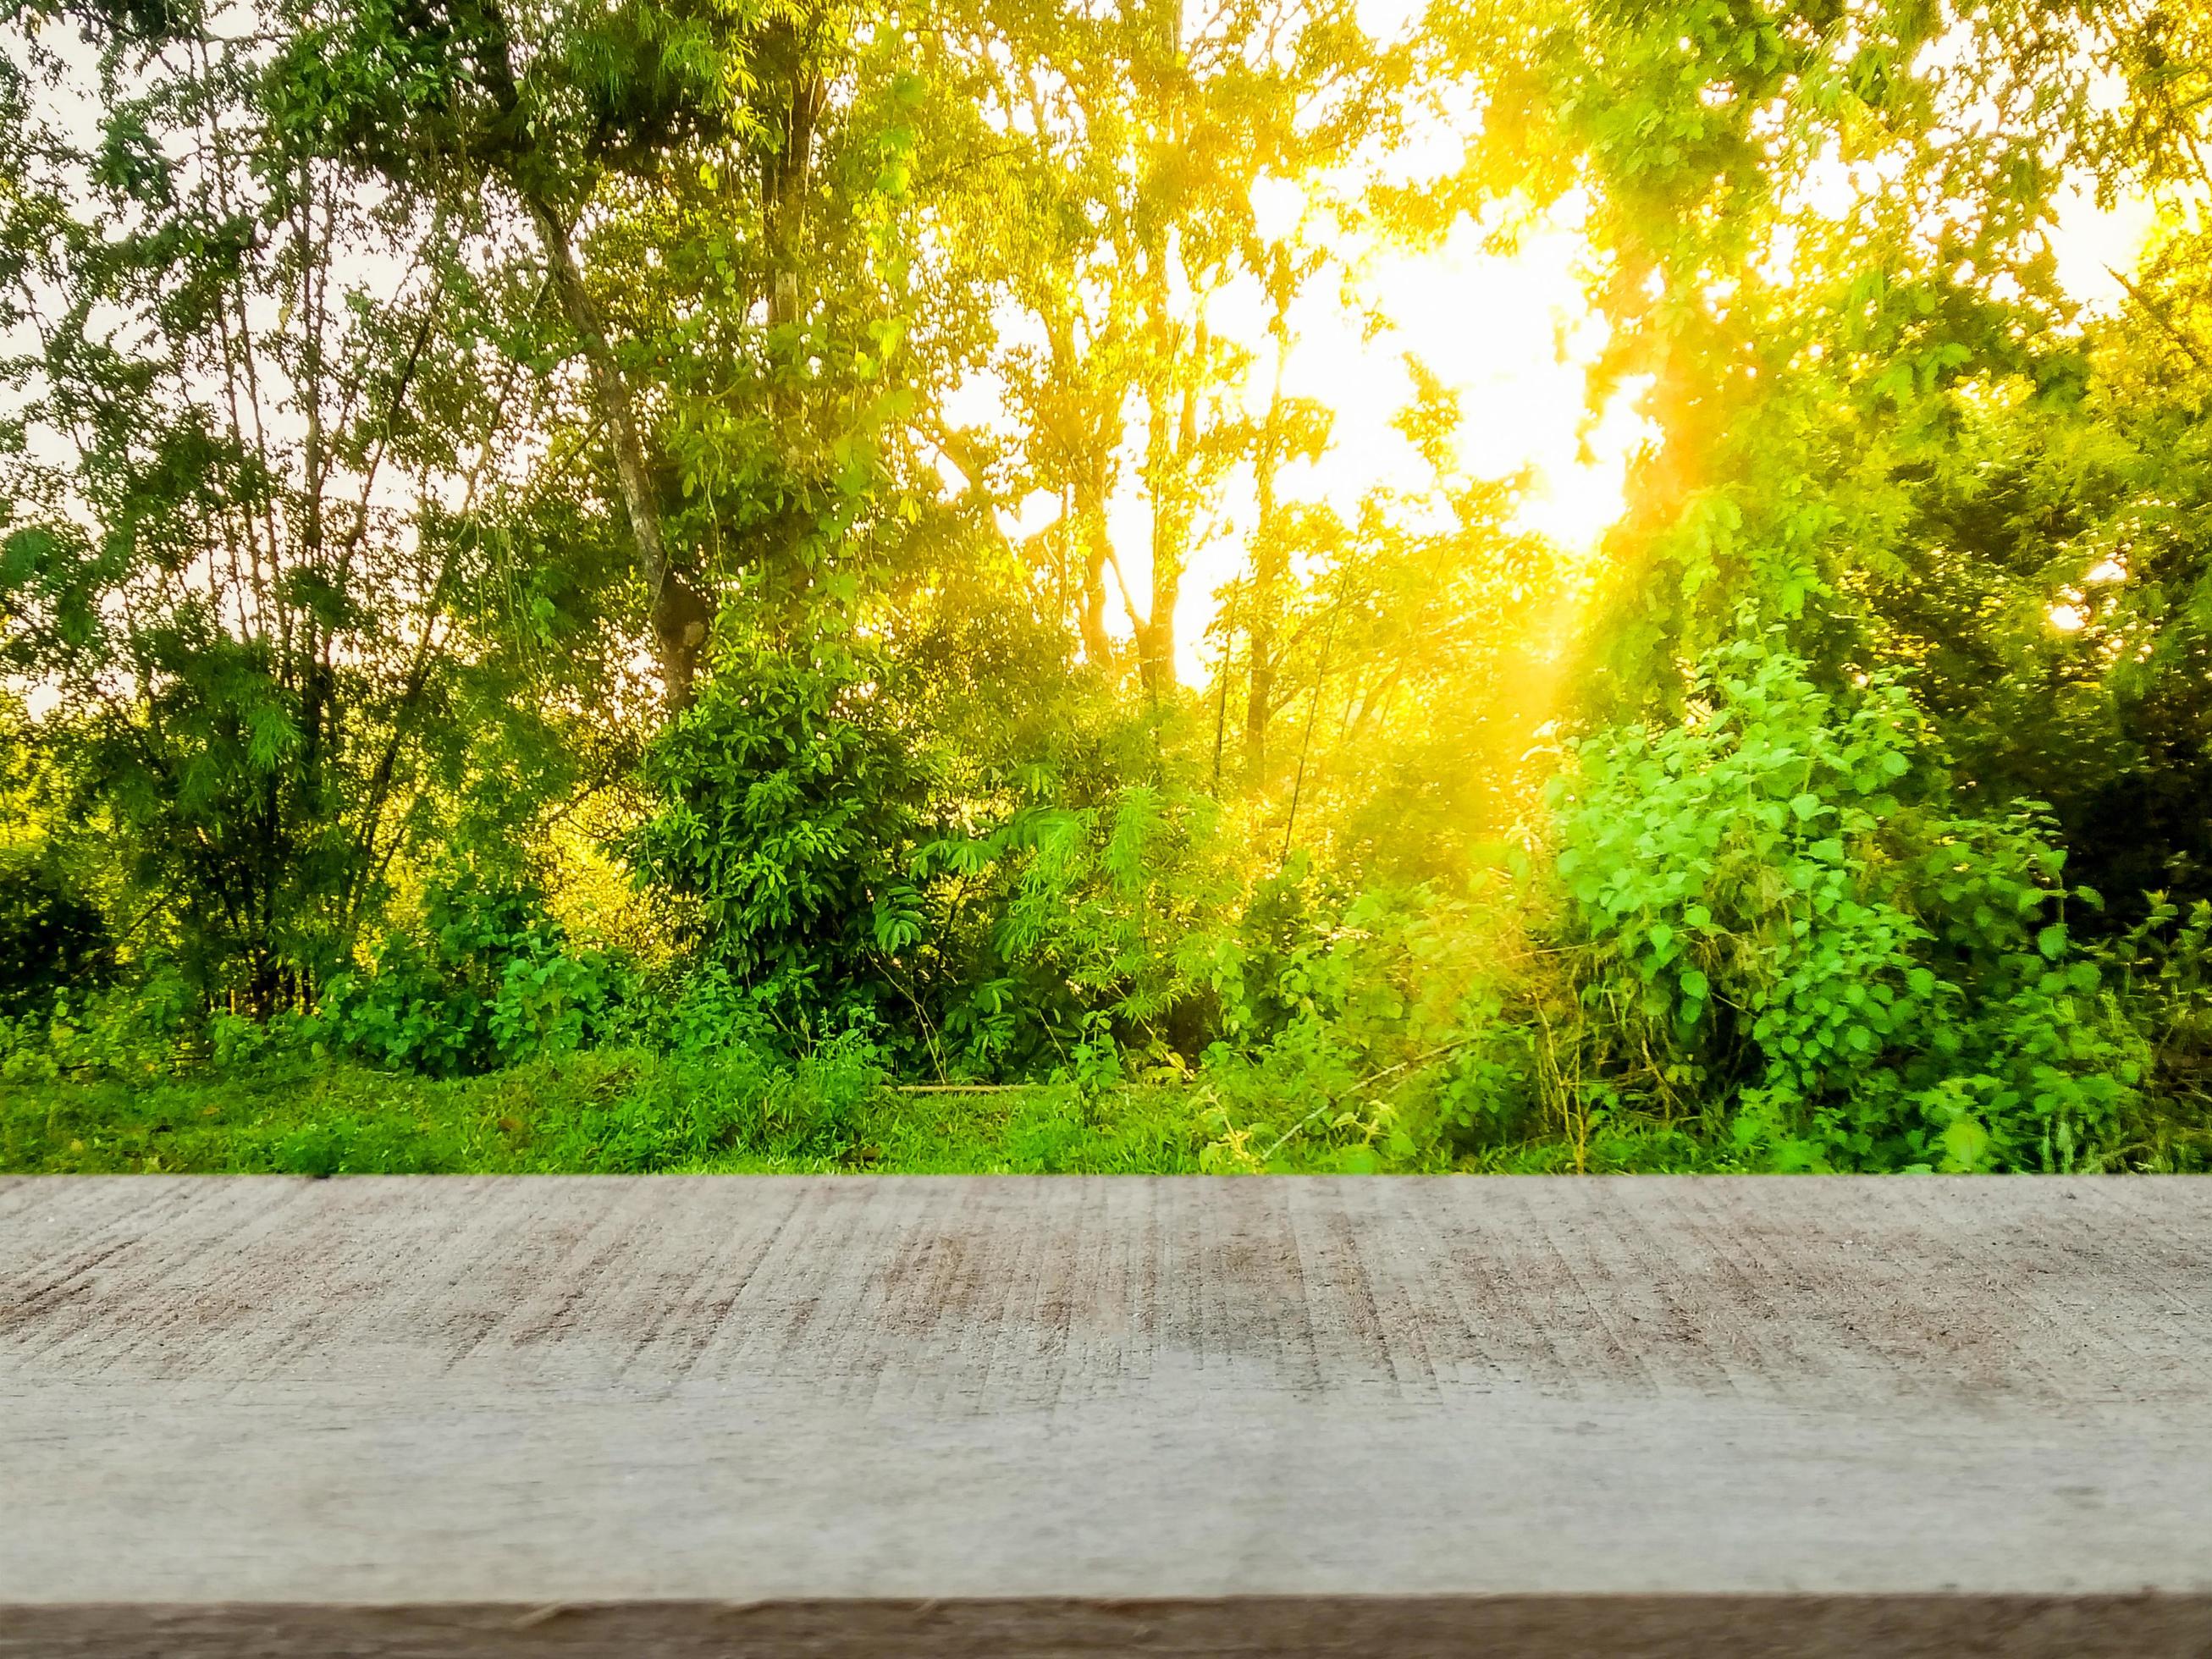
<point x="1511" y="334"/>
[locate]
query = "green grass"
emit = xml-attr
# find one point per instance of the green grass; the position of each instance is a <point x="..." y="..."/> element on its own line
<point x="637" y="1111"/>
<point x="606" y="1111"/>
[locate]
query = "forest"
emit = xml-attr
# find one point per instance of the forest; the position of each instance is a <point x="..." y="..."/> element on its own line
<point x="1105" y="585"/>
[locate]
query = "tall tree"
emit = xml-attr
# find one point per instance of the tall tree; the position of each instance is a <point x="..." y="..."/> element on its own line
<point x="1132" y="138"/>
<point x="255" y="456"/>
<point x="590" y="108"/>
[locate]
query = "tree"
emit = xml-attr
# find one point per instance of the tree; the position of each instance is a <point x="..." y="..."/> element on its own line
<point x="444" y="100"/>
<point x="1131" y="141"/>
<point x="254" y="460"/>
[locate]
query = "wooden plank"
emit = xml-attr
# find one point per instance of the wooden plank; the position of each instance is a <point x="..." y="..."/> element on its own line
<point x="402" y="1415"/>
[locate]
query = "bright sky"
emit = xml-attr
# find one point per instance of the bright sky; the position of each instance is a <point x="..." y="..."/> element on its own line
<point x="1513" y="337"/>
<point x="1510" y="334"/>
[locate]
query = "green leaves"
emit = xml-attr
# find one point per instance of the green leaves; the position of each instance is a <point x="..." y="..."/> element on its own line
<point x="790" y="801"/>
<point x="1842" y="984"/>
<point x="488" y="979"/>
<point x="26" y="555"/>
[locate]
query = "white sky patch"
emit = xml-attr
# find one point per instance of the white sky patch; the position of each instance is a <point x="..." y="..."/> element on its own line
<point x="2096" y="247"/>
<point x="1512" y="335"/>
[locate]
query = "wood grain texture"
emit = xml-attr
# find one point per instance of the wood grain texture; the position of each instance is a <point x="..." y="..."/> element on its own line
<point x="1343" y="1627"/>
<point x="1655" y="1400"/>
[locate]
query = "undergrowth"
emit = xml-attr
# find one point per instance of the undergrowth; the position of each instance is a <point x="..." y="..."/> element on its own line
<point x="1761" y="937"/>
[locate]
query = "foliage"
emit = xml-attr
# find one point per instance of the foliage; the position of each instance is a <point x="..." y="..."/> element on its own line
<point x="1782" y="923"/>
<point x="2163" y="971"/>
<point x="268" y="675"/>
<point x="51" y="940"/>
<point x="1070" y="927"/>
<point x="137" y="1032"/>
<point x="457" y="459"/>
<point x="488" y="979"/>
<point x="789" y="798"/>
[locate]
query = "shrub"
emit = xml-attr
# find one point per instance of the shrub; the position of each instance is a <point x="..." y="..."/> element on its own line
<point x="1775" y="918"/>
<point x="1062" y="921"/>
<point x="133" y="1033"/>
<point x="786" y="800"/>
<point x="488" y="978"/>
<point x="51" y="940"/>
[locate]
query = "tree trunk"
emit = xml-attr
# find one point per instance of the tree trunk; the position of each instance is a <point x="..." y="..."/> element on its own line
<point x="1260" y="631"/>
<point x="1268" y="570"/>
<point x="1170" y="480"/>
<point x="1178" y="360"/>
<point x="1090" y="534"/>
<point x="788" y="68"/>
<point x="678" y="615"/>
<point x="1259" y="622"/>
<point x="1156" y="638"/>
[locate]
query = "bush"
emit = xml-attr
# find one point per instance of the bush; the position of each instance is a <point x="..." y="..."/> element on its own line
<point x="1764" y="938"/>
<point x="132" y="1033"/>
<point x="1774" y="919"/>
<point x="50" y="940"/>
<point x="787" y="800"/>
<point x="1062" y="921"/>
<point x="488" y="979"/>
<point x="1350" y="1027"/>
<point x="839" y="881"/>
